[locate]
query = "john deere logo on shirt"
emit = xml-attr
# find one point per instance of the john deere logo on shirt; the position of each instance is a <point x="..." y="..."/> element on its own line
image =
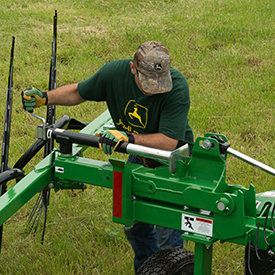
<point x="136" y="114"/>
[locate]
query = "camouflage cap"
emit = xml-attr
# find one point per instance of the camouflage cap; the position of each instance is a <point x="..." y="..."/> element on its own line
<point x="152" y="61"/>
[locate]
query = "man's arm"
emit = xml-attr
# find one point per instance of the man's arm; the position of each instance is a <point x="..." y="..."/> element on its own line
<point x="66" y="95"/>
<point x="157" y="140"/>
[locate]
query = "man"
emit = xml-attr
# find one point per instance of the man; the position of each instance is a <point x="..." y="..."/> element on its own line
<point x="149" y="103"/>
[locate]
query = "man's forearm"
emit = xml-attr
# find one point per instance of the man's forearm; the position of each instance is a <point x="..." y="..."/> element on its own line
<point x="66" y="95"/>
<point x="157" y="140"/>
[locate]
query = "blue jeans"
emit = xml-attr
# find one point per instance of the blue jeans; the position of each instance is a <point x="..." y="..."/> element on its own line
<point x="146" y="239"/>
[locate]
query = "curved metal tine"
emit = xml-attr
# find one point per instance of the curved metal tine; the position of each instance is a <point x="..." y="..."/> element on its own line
<point x="257" y="235"/>
<point x="268" y="205"/>
<point x="38" y="201"/>
<point x="45" y="201"/>
<point x="266" y="218"/>
<point x="51" y="113"/>
<point x="272" y="215"/>
<point x="44" y="195"/>
<point x="7" y="125"/>
<point x="38" y="219"/>
<point x="264" y="208"/>
<point x="256" y="242"/>
<point x="256" y="252"/>
<point x="256" y="247"/>
<point x="44" y="223"/>
<point x="41" y="204"/>
<point x="249" y="258"/>
<point x="35" y="219"/>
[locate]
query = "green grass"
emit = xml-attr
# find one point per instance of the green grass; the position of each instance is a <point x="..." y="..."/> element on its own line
<point x="225" y="49"/>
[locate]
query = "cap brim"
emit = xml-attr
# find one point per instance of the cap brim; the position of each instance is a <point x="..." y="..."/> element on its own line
<point x="157" y="85"/>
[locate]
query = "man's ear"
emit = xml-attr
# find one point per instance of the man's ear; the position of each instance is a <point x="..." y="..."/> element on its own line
<point x="133" y="68"/>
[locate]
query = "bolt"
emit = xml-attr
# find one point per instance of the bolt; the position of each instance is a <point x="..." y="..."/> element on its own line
<point x="51" y="185"/>
<point x="84" y="186"/>
<point x="206" y="144"/>
<point x="223" y="204"/>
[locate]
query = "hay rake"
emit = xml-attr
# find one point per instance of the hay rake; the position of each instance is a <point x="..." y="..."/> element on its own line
<point x="187" y="193"/>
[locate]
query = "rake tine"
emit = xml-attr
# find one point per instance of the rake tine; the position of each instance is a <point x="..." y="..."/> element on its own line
<point x="44" y="195"/>
<point x="41" y="203"/>
<point x="38" y="217"/>
<point x="39" y="198"/>
<point x="45" y="201"/>
<point x="44" y="223"/>
<point x="7" y="125"/>
<point x="249" y="258"/>
<point x="38" y="209"/>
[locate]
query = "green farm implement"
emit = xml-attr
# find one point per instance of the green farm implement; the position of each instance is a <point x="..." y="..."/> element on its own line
<point x="187" y="193"/>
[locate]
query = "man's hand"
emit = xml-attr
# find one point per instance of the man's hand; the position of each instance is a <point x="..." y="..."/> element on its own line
<point x="33" y="98"/>
<point x="109" y="140"/>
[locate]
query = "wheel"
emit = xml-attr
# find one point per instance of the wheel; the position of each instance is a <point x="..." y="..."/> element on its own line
<point x="169" y="261"/>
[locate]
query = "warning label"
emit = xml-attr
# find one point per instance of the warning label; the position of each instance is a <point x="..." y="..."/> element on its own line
<point x="197" y="225"/>
<point x="269" y="194"/>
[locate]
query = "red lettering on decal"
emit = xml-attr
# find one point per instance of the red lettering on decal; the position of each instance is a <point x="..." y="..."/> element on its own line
<point x="204" y="220"/>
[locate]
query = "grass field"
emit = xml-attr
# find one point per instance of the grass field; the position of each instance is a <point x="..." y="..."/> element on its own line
<point x="225" y="49"/>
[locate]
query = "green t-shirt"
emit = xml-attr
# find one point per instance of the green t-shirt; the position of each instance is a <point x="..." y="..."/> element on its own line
<point x="132" y="111"/>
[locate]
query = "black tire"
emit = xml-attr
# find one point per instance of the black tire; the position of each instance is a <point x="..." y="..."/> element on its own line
<point x="169" y="261"/>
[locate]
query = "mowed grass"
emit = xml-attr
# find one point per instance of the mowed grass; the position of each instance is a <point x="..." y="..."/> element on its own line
<point x="225" y="49"/>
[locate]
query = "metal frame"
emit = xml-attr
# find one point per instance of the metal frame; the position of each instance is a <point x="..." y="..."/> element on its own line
<point x="186" y="193"/>
<point x="194" y="198"/>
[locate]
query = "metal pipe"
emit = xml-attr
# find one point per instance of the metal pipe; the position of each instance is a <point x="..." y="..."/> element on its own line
<point x="39" y="117"/>
<point x="129" y="148"/>
<point x="144" y="151"/>
<point x="251" y="161"/>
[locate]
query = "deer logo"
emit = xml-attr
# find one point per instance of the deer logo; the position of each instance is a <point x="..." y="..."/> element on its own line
<point x="136" y="114"/>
